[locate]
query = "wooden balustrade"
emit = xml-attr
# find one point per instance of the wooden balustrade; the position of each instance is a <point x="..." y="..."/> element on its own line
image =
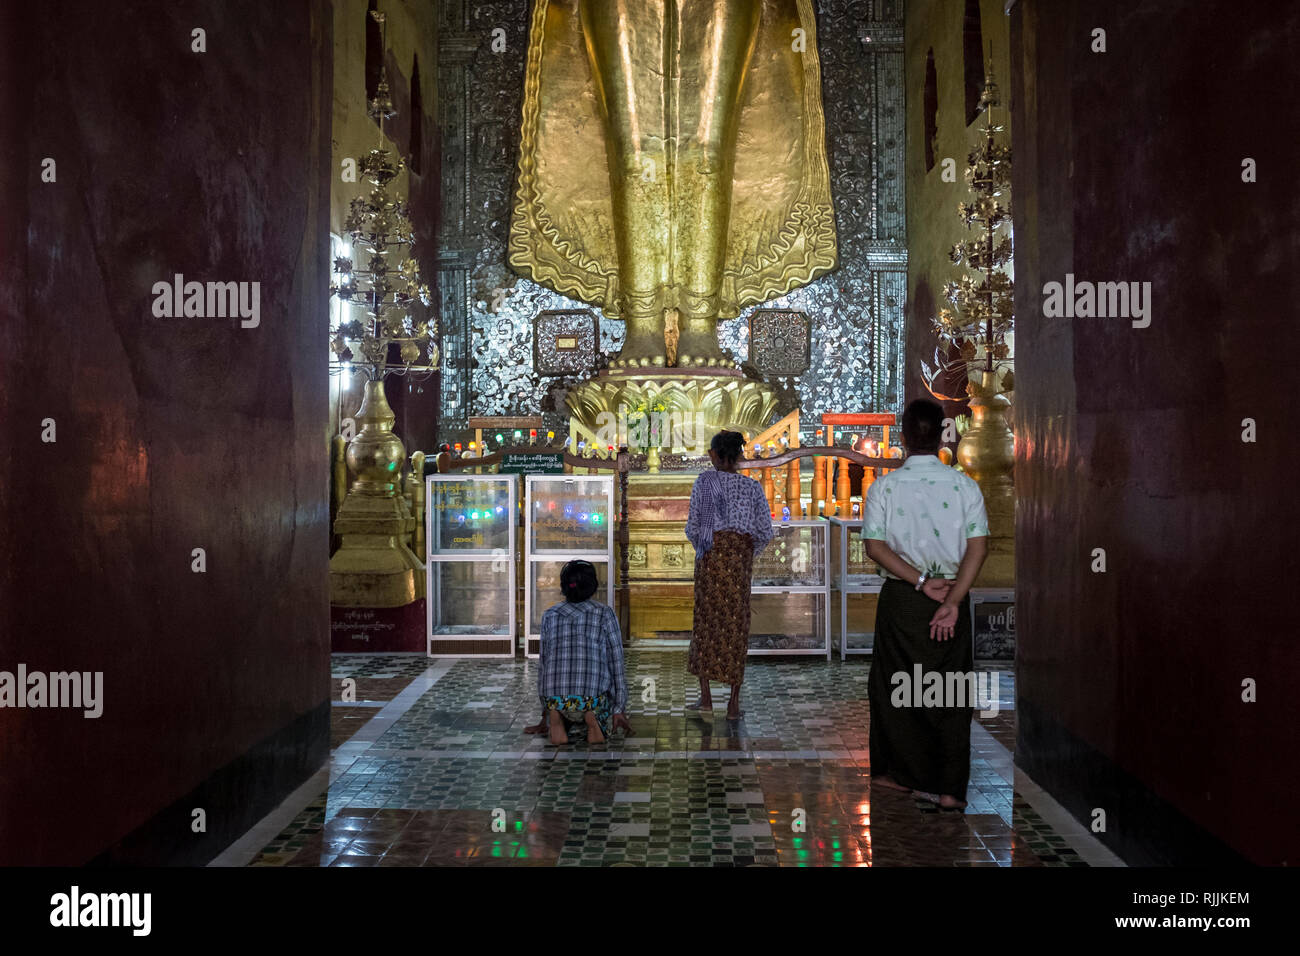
<point x="832" y="487"/>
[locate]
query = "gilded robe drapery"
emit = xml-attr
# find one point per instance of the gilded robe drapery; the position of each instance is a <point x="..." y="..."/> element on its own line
<point x="780" y="227"/>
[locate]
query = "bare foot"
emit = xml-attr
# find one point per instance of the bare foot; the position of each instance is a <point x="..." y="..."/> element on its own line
<point x="887" y="781"/>
<point x="733" y="704"/>
<point x="594" y="735"/>
<point x="558" y="734"/>
<point x="948" y="802"/>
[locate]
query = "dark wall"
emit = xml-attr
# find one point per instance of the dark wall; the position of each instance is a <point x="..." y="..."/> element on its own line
<point x="172" y="433"/>
<point x="1127" y="167"/>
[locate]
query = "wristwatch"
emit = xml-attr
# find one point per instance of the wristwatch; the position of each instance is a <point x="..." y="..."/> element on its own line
<point x="921" y="580"/>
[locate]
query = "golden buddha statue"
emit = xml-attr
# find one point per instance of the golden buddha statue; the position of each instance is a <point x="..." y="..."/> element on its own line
<point x="672" y="165"/>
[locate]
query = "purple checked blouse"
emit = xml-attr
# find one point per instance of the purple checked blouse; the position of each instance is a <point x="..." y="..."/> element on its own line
<point x="727" y="501"/>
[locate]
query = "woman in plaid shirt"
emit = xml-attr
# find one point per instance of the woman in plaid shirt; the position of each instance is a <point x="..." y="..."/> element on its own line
<point x="581" y="677"/>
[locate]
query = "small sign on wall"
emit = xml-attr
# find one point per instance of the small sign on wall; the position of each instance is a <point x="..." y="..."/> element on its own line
<point x="993" y="619"/>
<point x="565" y="341"/>
<point x="550" y="463"/>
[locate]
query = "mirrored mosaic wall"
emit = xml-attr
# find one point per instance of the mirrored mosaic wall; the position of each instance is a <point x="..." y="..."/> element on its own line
<point x="487" y="311"/>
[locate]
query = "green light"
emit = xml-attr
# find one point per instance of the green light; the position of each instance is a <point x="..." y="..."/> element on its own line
<point x="500" y="438"/>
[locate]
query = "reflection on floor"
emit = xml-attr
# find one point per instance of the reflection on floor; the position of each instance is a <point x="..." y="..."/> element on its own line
<point x="446" y="777"/>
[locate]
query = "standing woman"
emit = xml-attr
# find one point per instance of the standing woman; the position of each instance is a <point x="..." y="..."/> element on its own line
<point x="729" y="524"/>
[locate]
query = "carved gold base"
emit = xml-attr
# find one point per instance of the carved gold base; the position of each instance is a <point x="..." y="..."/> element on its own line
<point x="696" y="405"/>
<point x="374" y="567"/>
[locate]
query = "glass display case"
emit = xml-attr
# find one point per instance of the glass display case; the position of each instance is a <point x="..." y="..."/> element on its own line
<point x="566" y="517"/>
<point x="790" y="604"/>
<point x="470" y="523"/>
<point x="856" y="583"/>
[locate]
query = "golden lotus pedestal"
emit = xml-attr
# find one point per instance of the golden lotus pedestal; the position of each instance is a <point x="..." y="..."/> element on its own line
<point x="686" y="406"/>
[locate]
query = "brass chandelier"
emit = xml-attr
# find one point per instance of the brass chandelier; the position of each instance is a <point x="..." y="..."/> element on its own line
<point x="982" y="313"/>
<point x="397" y="332"/>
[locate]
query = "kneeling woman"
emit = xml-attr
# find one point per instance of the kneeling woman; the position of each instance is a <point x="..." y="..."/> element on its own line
<point x="729" y="524"/>
<point x="581" y="676"/>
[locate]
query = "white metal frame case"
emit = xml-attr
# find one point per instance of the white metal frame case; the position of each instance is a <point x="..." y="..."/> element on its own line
<point x="532" y="558"/>
<point x="845" y="584"/>
<point x="434" y="560"/>
<point x="823" y="589"/>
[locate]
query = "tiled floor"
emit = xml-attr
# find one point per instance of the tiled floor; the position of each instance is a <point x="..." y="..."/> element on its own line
<point x="452" y="780"/>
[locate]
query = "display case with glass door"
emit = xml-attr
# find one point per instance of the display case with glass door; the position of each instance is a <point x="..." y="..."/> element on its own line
<point x="565" y="517"/>
<point x="470" y="525"/>
<point x="855" y="588"/>
<point x="790" y="606"/>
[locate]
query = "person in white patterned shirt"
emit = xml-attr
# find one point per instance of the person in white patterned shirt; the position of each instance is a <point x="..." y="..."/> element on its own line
<point x="926" y="527"/>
